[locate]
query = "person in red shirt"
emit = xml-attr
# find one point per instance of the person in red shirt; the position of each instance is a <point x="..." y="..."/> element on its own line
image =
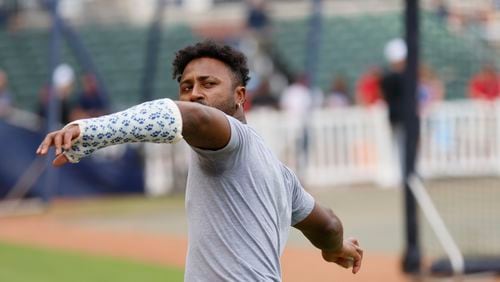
<point x="485" y="85"/>
<point x="368" y="88"/>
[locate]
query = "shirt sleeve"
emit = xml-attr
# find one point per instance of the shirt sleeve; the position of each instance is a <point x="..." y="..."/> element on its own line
<point x="302" y="202"/>
<point x="219" y="160"/>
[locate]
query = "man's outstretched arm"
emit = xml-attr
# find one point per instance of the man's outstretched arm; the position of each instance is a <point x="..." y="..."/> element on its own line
<point x="159" y="121"/>
<point x="324" y="230"/>
<point x="204" y="127"/>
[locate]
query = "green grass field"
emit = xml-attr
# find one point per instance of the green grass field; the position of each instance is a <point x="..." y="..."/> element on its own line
<point x="29" y="264"/>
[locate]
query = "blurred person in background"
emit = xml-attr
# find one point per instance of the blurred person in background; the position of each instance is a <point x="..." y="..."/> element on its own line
<point x="4" y="14"/>
<point x="5" y="95"/>
<point x="90" y="100"/>
<point x="368" y="92"/>
<point x="297" y="99"/>
<point x="441" y="130"/>
<point x="441" y="10"/>
<point x="430" y="89"/>
<point x="392" y="82"/>
<point x="9" y="15"/>
<point x="296" y="102"/>
<point x="241" y="200"/>
<point x="43" y="100"/>
<point x="262" y="98"/>
<point x="63" y="81"/>
<point x="258" y="20"/>
<point x="393" y="90"/>
<point x="485" y="85"/>
<point x="338" y="97"/>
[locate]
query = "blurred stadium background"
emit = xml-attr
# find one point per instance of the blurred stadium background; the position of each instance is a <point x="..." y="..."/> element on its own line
<point x="67" y="59"/>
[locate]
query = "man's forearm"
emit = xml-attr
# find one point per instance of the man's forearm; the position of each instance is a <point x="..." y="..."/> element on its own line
<point x="323" y="229"/>
<point x="157" y="121"/>
<point x="328" y="238"/>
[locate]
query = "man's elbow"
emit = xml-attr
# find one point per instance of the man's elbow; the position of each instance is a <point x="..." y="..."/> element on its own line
<point x="327" y="235"/>
<point x="334" y="225"/>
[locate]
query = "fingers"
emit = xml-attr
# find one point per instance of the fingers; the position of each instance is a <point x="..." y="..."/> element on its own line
<point x="356" y="266"/>
<point x="354" y="241"/>
<point x="350" y="256"/>
<point x="355" y="253"/>
<point x="46" y="143"/>
<point x="60" y="160"/>
<point x="67" y="140"/>
<point x="357" y="261"/>
<point x="345" y="262"/>
<point x="354" y="262"/>
<point x="58" y="138"/>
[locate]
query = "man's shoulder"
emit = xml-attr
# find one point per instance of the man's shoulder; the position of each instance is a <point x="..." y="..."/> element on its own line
<point x="239" y="125"/>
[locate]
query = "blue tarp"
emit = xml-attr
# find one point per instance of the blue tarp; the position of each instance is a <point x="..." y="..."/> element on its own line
<point x="92" y="176"/>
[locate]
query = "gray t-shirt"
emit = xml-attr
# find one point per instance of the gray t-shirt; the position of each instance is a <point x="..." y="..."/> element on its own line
<point x="241" y="201"/>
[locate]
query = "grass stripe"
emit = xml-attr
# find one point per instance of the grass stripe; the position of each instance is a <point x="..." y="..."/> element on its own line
<point x="33" y="264"/>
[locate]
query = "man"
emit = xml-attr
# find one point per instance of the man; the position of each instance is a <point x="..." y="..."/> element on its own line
<point x="392" y="82"/>
<point x="392" y="85"/>
<point x="240" y="199"/>
<point x="90" y="100"/>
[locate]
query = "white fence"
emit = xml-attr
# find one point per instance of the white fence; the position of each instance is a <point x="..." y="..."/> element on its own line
<point x="343" y="146"/>
<point x="461" y="138"/>
<point x="354" y="145"/>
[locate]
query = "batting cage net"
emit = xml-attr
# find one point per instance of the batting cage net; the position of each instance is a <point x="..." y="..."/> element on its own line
<point x="459" y="149"/>
<point x="469" y="209"/>
<point x="459" y="127"/>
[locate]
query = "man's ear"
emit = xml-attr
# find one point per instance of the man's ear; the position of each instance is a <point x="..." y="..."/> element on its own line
<point x="241" y="95"/>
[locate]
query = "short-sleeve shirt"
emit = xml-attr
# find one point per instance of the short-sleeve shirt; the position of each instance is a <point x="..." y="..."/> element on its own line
<point x="241" y="202"/>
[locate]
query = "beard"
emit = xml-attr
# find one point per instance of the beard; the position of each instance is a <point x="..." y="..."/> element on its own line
<point x="229" y="106"/>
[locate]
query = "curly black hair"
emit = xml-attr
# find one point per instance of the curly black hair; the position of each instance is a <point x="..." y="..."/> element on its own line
<point x="234" y="59"/>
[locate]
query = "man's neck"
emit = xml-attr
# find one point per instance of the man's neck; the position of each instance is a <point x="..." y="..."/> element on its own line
<point x="240" y="115"/>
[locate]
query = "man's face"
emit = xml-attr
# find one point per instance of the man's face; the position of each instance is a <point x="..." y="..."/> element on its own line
<point x="209" y="82"/>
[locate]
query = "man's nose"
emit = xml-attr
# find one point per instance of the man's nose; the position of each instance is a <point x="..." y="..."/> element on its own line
<point x="196" y="94"/>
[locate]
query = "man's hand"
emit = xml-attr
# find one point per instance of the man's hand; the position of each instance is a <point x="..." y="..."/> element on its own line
<point x="59" y="139"/>
<point x="350" y="255"/>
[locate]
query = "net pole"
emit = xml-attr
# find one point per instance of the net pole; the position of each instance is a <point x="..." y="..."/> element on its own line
<point x="27" y="179"/>
<point x="14" y="197"/>
<point x="411" y="127"/>
<point x="437" y="224"/>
